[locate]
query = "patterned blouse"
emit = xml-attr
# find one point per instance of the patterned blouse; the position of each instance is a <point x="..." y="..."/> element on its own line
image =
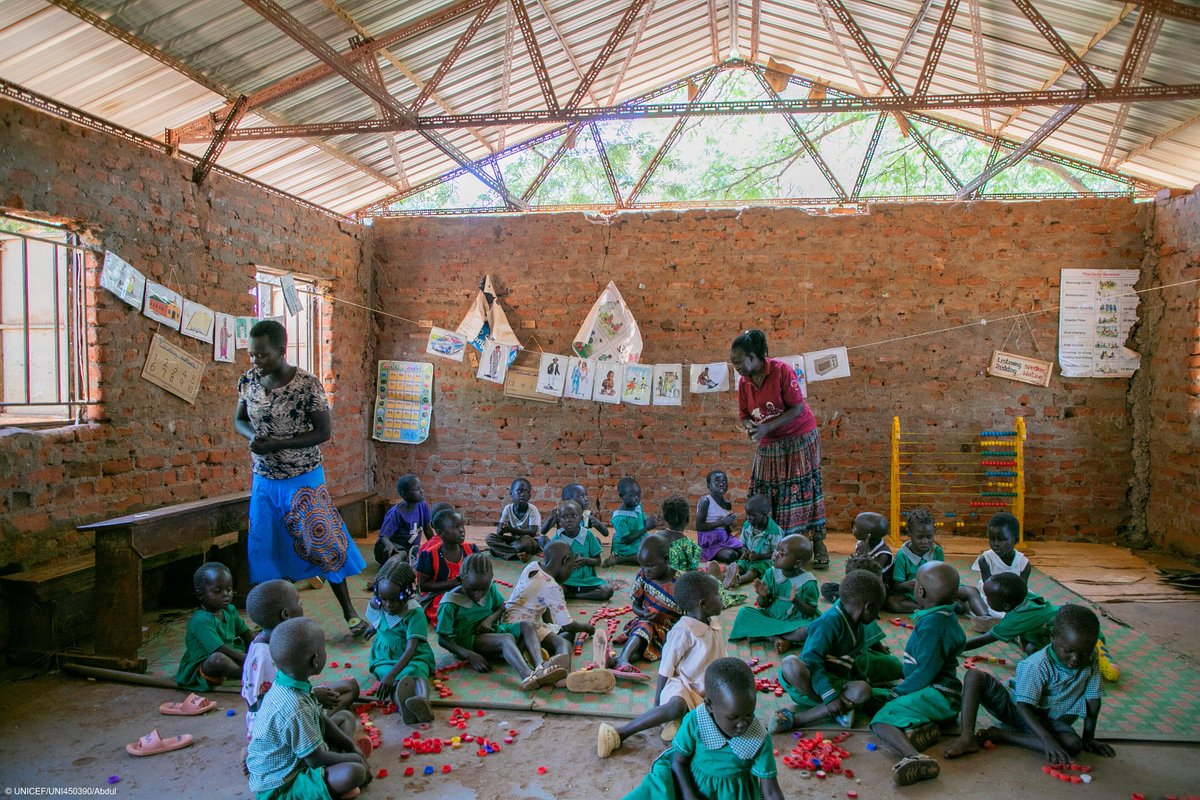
<point x="280" y="414"/>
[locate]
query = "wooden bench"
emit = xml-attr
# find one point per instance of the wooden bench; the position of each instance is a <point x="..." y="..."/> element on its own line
<point x="128" y="546"/>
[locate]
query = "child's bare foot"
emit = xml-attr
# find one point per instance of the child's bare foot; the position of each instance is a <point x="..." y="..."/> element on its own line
<point x="782" y="645"/>
<point x="964" y="745"/>
<point x="732" y="574"/>
<point x="714" y="568"/>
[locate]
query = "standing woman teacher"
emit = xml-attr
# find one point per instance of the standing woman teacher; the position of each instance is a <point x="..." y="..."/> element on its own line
<point x="787" y="463"/>
<point x="296" y="531"/>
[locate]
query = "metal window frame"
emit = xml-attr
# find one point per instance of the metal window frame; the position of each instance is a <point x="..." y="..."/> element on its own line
<point x="311" y="319"/>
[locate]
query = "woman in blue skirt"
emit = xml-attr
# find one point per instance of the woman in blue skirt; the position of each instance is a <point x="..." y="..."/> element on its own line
<point x="296" y="531"/>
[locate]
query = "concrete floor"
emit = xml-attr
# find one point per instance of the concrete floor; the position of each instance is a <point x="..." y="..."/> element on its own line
<point x="60" y="731"/>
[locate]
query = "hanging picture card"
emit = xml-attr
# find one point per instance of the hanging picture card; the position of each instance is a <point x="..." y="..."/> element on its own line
<point x="223" y="339"/>
<point x="668" y="384"/>
<point x="638" y="382"/>
<point x="241" y="332"/>
<point x="163" y="305"/>
<point x="580" y="374"/>
<point x="552" y="374"/>
<point x="291" y="298"/>
<point x="446" y="344"/>
<point x="198" y="321"/>
<point x="493" y="361"/>
<point x="120" y="278"/>
<point x="825" y="365"/>
<point x="798" y="367"/>
<point x="607" y="386"/>
<point x="173" y="368"/>
<point x="708" y="378"/>
<point x="1020" y="368"/>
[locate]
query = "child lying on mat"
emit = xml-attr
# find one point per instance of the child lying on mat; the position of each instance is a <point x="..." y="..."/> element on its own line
<point x="216" y="639"/>
<point x="469" y="627"/>
<point x="295" y="750"/>
<point x="695" y="642"/>
<point x="1038" y="707"/>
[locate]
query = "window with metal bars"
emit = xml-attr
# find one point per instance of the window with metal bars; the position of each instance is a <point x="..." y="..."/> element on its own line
<point x="43" y="325"/>
<point x="305" y="334"/>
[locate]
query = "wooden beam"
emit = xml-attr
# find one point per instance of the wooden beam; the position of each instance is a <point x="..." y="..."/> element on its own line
<point x="1159" y="139"/>
<point x="713" y="36"/>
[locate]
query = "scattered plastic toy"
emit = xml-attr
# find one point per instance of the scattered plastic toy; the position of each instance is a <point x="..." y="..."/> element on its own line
<point x="114" y="779"/>
<point x="230" y="713"/>
<point x="542" y="770"/>
<point x="428" y="770"/>
<point x="383" y="773"/>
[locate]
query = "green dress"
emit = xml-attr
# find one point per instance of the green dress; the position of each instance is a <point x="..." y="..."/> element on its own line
<point x="392" y="634"/>
<point x="206" y="634"/>
<point x="723" y="768"/>
<point x="584" y="544"/>
<point x="459" y="616"/>
<point x="624" y="523"/>
<point x="684" y="556"/>
<point x="906" y="564"/>
<point x="760" y="543"/>
<point x="780" y="616"/>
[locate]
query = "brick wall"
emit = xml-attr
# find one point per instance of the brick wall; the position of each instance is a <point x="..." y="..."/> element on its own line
<point x="144" y="447"/>
<point x="694" y="280"/>
<point x="1173" y="374"/>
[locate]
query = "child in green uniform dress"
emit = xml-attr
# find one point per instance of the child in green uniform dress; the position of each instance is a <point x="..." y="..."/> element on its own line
<point x="920" y="549"/>
<point x="583" y="584"/>
<point x="787" y="598"/>
<point x="216" y="639"/>
<point x="721" y="751"/>
<point x="295" y="752"/>
<point x="759" y="536"/>
<point x="830" y="678"/>
<point x="630" y="524"/>
<point x="401" y="658"/>
<point x="931" y="691"/>
<point x="469" y="627"/>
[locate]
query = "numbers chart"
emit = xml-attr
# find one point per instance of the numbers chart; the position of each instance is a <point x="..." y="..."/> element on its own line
<point x="403" y="402"/>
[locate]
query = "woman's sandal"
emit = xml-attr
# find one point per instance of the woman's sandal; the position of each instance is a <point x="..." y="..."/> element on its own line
<point x="915" y="769"/>
<point x="821" y="561"/>
<point x="628" y="672"/>
<point x="591" y="681"/>
<point x="359" y="627"/>
<point x="925" y="736"/>
<point x="783" y="721"/>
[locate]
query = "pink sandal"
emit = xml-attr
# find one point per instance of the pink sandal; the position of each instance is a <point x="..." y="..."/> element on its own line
<point x="628" y="672"/>
<point x="152" y="744"/>
<point x="193" y="706"/>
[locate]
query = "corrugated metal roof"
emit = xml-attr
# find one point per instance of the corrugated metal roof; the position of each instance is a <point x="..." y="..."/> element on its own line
<point x="51" y="51"/>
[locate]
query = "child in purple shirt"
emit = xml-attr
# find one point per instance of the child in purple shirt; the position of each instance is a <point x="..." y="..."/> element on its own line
<point x="405" y="521"/>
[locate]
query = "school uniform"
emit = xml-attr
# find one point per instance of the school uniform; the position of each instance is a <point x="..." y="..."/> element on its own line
<point x="779" y="615"/>
<point x="287" y="729"/>
<point x="691" y="646"/>
<point x="393" y="632"/>
<point x="585" y="544"/>
<point x="1057" y="693"/>
<point x="625" y="521"/>
<point x="996" y="566"/>
<point x="834" y="641"/>
<point x="459" y="616"/>
<point x="906" y="564"/>
<point x="759" y="542"/>
<point x="206" y="633"/>
<point x="1031" y="622"/>
<point x="931" y="690"/>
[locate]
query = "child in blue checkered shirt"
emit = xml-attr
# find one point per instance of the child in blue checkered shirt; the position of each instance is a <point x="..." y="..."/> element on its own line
<point x="1052" y="688"/>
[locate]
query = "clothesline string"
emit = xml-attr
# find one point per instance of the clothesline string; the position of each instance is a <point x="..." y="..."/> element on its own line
<point x="982" y="322"/>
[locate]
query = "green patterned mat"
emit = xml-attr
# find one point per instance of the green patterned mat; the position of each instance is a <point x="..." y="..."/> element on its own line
<point x="1156" y="699"/>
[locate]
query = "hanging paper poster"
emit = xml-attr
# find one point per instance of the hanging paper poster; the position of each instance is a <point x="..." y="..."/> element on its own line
<point x="446" y="344"/>
<point x="637" y="381"/>
<point x="580" y="374"/>
<point x="486" y="319"/>
<point x="241" y="332"/>
<point x="198" y="321"/>
<point x="494" y="360"/>
<point x="668" y="384"/>
<point x="552" y="374"/>
<point x="122" y="279"/>
<point x="607" y="387"/>
<point x="403" y="402"/>
<point x="223" y="338"/>
<point x="709" y="378"/>
<point x="173" y="368"/>
<point x="610" y="332"/>
<point x="798" y="366"/>
<point x="1097" y="307"/>
<point x="163" y="305"/>
<point x="825" y="365"/>
<point x="287" y="284"/>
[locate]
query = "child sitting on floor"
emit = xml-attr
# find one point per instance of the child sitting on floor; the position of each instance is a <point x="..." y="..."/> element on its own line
<point x="715" y="520"/>
<point x="440" y="559"/>
<point x="830" y="678"/>
<point x="538" y="594"/>
<point x="629" y="524"/>
<point x="214" y="647"/>
<point x="721" y="749"/>
<point x="683" y="554"/>
<point x="655" y="611"/>
<point x="1038" y="707"/>
<point x="296" y="751"/>
<point x="787" y="598"/>
<point x="578" y="493"/>
<point x="583" y="584"/>
<point x="760" y="534"/>
<point x="870" y="531"/>
<point x="268" y="605"/>
<point x="1027" y="621"/>
<point x="920" y="549"/>
<point x="405" y="522"/>
<point x="469" y="627"/>
<point x="694" y="642"/>
<point x="931" y="691"/>
<point x="1002" y="555"/>
<point x="516" y="533"/>
<point x="401" y="658"/>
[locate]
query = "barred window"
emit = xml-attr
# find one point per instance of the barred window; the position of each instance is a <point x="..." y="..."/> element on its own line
<point x="304" y="330"/>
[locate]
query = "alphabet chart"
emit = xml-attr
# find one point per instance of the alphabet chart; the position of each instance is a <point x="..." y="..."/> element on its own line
<point x="403" y="402"/>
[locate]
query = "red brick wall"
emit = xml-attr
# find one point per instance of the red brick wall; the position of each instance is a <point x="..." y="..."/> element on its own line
<point x="1173" y="369"/>
<point x="694" y="280"/>
<point x="146" y="448"/>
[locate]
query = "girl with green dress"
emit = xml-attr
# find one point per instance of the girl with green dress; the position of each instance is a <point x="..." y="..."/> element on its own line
<point x="787" y="598"/>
